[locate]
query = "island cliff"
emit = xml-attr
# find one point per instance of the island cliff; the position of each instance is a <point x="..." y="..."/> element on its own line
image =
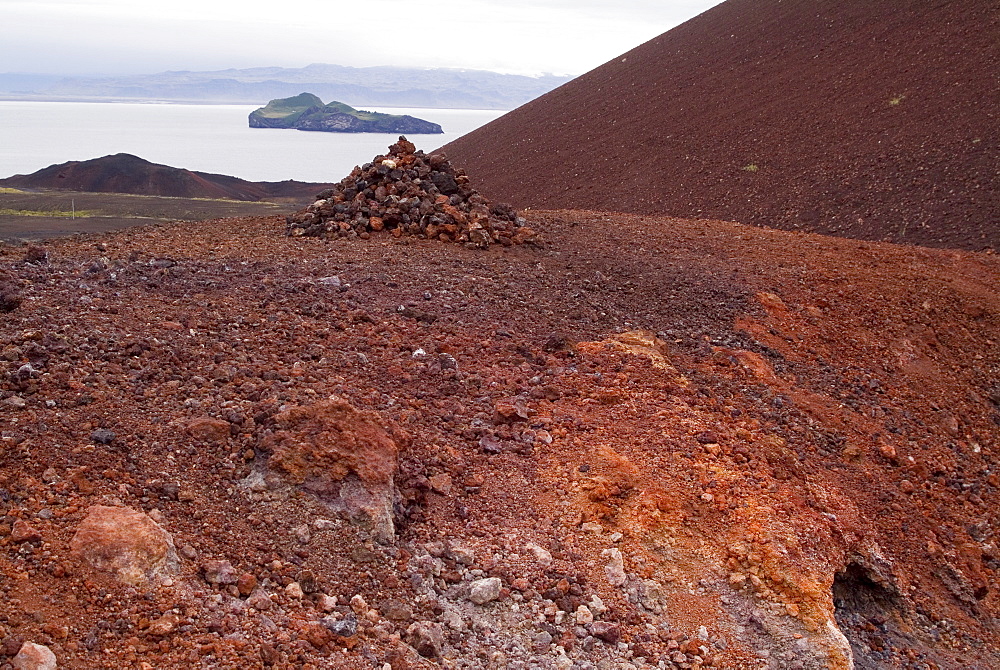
<point x="307" y="112"/>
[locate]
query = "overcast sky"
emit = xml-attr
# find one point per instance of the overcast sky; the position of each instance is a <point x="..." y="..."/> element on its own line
<point x="139" y="36"/>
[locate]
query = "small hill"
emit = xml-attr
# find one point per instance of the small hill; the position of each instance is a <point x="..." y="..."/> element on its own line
<point x="874" y="119"/>
<point x="307" y="112"/>
<point x="125" y="173"/>
<point x="283" y="112"/>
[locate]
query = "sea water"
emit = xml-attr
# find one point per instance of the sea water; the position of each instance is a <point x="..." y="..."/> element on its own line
<point x="205" y="138"/>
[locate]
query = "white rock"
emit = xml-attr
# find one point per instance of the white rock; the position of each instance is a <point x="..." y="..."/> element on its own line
<point x="302" y="534"/>
<point x="324" y="524"/>
<point x="453" y="620"/>
<point x="259" y="600"/>
<point x="16" y="402"/>
<point x="485" y="590"/>
<point x="294" y="590"/>
<point x="461" y="552"/>
<point x="541" y="554"/>
<point x="615" y="569"/>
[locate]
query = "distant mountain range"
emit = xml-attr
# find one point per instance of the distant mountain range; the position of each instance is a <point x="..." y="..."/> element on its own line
<point x="373" y="86"/>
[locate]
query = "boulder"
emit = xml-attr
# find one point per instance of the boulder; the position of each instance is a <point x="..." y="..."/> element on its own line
<point x="34" y="657"/>
<point x="24" y="532"/>
<point x="207" y="429"/>
<point x="486" y="590"/>
<point x="219" y="572"/>
<point x="345" y="457"/>
<point x="10" y="293"/>
<point x="426" y="637"/>
<point x="126" y="543"/>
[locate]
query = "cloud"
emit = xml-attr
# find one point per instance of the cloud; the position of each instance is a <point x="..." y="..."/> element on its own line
<point x="118" y="36"/>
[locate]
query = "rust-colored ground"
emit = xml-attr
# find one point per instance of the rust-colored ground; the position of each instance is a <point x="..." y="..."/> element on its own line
<point x="786" y="438"/>
<point x="870" y="119"/>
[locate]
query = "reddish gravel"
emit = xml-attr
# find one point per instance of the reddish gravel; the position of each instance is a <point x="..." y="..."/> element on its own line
<point x="871" y="119"/>
<point x="735" y="438"/>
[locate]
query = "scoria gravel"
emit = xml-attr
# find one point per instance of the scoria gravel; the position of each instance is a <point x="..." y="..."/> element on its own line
<point x="646" y="443"/>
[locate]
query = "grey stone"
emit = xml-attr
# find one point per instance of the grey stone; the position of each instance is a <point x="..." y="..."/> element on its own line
<point x="485" y="590"/>
<point x="345" y="627"/>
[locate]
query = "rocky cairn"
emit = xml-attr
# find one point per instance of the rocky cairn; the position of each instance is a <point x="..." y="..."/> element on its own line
<point x="408" y="192"/>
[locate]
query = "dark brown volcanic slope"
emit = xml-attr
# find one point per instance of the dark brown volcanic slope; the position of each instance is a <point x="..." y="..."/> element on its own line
<point x="125" y="173"/>
<point x="874" y="119"/>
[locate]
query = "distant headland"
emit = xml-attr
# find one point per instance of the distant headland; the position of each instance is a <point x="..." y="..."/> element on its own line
<point x="125" y="173"/>
<point x="307" y="112"/>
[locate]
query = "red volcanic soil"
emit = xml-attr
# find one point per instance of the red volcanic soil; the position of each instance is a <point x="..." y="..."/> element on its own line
<point x="872" y="119"/>
<point x="125" y="173"/>
<point x="647" y="443"/>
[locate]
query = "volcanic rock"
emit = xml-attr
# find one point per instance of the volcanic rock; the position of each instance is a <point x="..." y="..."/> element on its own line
<point x="606" y="632"/>
<point x="486" y="590"/>
<point x="208" y="429"/>
<point x="22" y="531"/>
<point x="220" y="572"/>
<point x="10" y="293"/>
<point x="33" y="656"/>
<point x="103" y="436"/>
<point x="409" y="193"/>
<point x="126" y="543"/>
<point x="344" y="456"/>
<point x="345" y="627"/>
<point x="426" y="637"/>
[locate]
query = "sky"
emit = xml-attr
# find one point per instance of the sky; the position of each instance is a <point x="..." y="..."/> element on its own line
<point x="80" y="37"/>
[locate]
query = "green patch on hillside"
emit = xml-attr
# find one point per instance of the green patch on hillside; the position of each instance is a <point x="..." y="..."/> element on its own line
<point x="284" y="112"/>
<point x="48" y="213"/>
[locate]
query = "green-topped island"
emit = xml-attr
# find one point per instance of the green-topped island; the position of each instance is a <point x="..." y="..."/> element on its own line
<point x="307" y="112"/>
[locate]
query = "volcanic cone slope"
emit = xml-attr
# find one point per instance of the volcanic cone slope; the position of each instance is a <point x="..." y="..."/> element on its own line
<point x="859" y="118"/>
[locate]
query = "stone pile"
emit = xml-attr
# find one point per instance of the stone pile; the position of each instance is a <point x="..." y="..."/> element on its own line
<point x="410" y="193"/>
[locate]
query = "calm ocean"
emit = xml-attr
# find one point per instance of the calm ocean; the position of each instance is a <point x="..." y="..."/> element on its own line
<point x="207" y="138"/>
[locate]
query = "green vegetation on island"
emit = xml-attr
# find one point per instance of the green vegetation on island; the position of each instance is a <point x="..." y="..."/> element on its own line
<point x="307" y="112"/>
